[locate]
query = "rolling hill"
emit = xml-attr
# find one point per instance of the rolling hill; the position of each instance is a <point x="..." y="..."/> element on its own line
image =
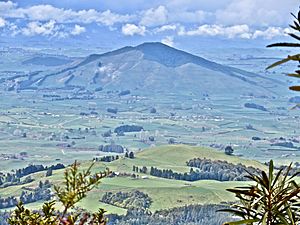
<point x="165" y="193"/>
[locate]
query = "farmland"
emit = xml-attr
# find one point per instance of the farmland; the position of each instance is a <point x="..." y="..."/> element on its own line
<point x="46" y="119"/>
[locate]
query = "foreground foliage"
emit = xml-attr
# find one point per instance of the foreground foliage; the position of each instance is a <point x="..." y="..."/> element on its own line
<point x="186" y="215"/>
<point x="296" y="27"/>
<point x="76" y="186"/>
<point x="273" y="199"/>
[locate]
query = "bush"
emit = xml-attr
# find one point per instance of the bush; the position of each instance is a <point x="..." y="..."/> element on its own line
<point x="76" y="186"/>
<point x="273" y="199"/>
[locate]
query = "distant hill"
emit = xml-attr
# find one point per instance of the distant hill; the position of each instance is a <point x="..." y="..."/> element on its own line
<point x="47" y="61"/>
<point x="153" y="67"/>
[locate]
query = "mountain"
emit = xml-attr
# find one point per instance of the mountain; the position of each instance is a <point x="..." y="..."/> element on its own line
<point x="149" y="68"/>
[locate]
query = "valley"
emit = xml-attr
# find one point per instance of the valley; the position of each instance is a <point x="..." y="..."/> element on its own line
<point x="164" y="105"/>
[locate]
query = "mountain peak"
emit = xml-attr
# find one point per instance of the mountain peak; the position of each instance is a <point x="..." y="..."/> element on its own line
<point x="166" y="55"/>
<point x="152" y="45"/>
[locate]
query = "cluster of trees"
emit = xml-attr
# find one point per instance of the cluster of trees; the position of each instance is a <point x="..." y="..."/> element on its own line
<point x="128" y="200"/>
<point x="108" y="158"/>
<point x="139" y="169"/>
<point x="128" y="128"/>
<point x="169" y="174"/>
<point x="107" y="134"/>
<point x="153" y="110"/>
<point x="37" y="168"/>
<point x="291" y="170"/>
<point x="221" y="170"/>
<point x="75" y="97"/>
<point x="112" y="110"/>
<point x="42" y="192"/>
<point x="229" y="150"/>
<point x="206" y="170"/>
<point x="88" y="113"/>
<point x="14" y="178"/>
<point x="187" y="215"/>
<point x="126" y="92"/>
<point x="255" y="106"/>
<point x="10" y="179"/>
<point x="111" y="148"/>
<point x="129" y="155"/>
<point x="50" y="96"/>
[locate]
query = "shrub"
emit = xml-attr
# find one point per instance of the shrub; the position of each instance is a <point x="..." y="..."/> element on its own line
<point x="76" y="186"/>
<point x="273" y="199"/>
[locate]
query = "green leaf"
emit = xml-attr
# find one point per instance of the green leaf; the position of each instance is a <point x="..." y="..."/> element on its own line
<point x="247" y="221"/>
<point x="294" y="75"/>
<point x="284" y="221"/>
<point x="271" y="168"/>
<point x="278" y="63"/>
<point x="284" y="44"/>
<point x="264" y="220"/>
<point x="294" y="36"/>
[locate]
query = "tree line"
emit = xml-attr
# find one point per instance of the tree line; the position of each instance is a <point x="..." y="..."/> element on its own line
<point x="42" y="192"/>
<point x="133" y="199"/>
<point x="202" y="169"/>
<point x="14" y="177"/>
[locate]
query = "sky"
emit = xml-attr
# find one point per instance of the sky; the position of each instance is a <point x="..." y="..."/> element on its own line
<point x="117" y="22"/>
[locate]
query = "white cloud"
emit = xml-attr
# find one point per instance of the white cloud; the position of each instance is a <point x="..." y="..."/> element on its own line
<point x="132" y="29"/>
<point x="155" y="17"/>
<point x="6" y="6"/>
<point x="34" y="28"/>
<point x="271" y="32"/>
<point x="236" y="31"/>
<point x="241" y="31"/>
<point x="49" y="12"/>
<point x="256" y="12"/>
<point x="169" y="40"/>
<point x="166" y="28"/>
<point x="78" y="30"/>
<point x="49" y="29"/>
<point x="227" y="18"/>
<point x="2" y="22"/>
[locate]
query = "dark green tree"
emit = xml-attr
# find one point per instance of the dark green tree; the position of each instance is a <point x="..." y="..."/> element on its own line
<point x="229" y="150"/>
<point x="49" y="172"/>
<point x="131" y="155"/>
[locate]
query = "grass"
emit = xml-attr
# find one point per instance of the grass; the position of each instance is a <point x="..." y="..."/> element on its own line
<point x="165" y="193"/>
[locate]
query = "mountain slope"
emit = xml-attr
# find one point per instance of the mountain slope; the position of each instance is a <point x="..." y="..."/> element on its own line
<point x="152" y="66"/>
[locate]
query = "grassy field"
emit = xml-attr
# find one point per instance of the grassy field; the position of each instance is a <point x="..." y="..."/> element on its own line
<point x="215" y="121"/>
<point x="165" y="193"/>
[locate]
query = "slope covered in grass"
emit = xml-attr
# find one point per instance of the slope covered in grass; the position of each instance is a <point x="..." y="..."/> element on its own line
<point x="165" y="193"/>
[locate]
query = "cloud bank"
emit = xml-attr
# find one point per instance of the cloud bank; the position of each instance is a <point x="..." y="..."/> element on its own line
<point x="244" y="19"/>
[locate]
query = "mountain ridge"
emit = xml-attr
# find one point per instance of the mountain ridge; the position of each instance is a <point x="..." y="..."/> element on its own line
<point x="148" y="65"/>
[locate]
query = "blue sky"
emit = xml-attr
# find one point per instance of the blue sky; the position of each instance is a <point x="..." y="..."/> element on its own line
<point x="170" y="21"/>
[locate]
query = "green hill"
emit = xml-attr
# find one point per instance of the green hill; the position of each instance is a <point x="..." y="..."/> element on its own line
<point x="165" y="193"/>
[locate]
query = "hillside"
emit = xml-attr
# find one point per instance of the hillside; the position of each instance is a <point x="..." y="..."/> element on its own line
<point x="164" y="193"/>
<point x="150" y="67"/>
